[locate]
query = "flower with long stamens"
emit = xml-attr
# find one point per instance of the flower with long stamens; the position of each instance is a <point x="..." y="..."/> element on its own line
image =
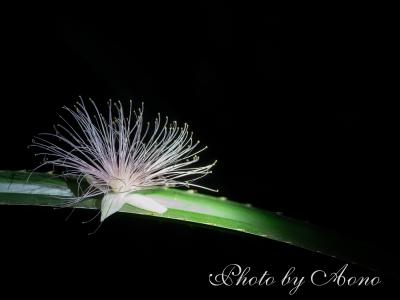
<point x="118" y="155"/>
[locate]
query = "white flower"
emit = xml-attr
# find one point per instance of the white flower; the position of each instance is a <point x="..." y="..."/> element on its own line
<point x="118" y="156"/>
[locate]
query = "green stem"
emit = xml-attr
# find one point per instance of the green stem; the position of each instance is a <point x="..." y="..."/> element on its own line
<point x="43" y="189"/>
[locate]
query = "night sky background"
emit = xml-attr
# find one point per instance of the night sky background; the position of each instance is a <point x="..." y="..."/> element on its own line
<point x="290" y="106"/>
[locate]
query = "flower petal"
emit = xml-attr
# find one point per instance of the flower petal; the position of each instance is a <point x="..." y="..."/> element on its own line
<point x="145" y="203"/>
<point x="111" y="203"/>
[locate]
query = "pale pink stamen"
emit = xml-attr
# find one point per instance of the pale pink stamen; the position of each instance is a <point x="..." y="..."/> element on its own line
<point x="117" y="154"/>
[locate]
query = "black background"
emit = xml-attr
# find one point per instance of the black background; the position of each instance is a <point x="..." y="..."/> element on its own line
<point x="290" y="106"/>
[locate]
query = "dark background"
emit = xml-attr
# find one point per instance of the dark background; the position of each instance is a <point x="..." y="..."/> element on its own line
<point x="290" y="106"/>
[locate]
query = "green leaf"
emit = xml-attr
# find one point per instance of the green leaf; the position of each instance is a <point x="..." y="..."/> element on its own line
<point x="43" y="189"/>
